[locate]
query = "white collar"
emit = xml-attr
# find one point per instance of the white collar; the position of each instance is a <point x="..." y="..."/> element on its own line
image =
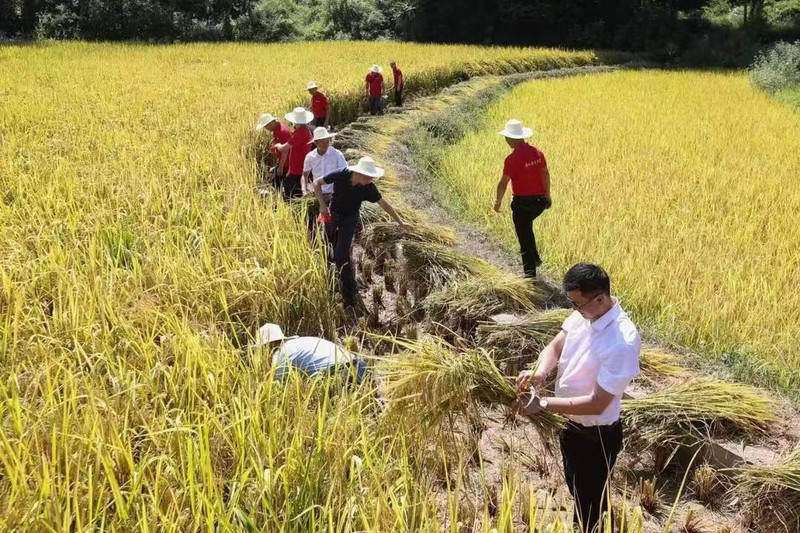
<point x="611" y="315"/>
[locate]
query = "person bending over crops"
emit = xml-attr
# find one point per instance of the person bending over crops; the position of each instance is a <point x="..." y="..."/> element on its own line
<point x="597" y="355"/>
<point x="399" y="82"/>
<point x="320" y="106"/>
<point x="310" y="355"/>
<point x="295" y="151"/>
<point x="526" y="169"/>
<point x="280" y="135"/>
<point x="351" y="187"/>
<point x="374" y="89"/>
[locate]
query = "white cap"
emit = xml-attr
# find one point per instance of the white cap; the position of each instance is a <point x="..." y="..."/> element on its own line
<point x="311" y="85"/>
<point x="367" y="166"/>
<point x="300" y="116"/>
<point x="265" y="119"/>
<point x="514" y="130"/>
<point x="320" y="134"/>
<point x="270" y="333"/>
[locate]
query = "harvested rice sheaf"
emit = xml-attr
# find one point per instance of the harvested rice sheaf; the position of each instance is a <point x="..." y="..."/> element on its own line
<point x="656" y="364"/>
<point x="432" y="265"/>
<point x="384" y="235"/>
<point x="695" y="410"/>
<point x="461" y="304"/>
<point x="430" y="382"/>
<point x="525" y="338"/>
<point x="772" y="494"/>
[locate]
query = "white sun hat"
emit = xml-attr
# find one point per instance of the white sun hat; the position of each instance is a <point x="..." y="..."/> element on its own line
<point x="514" y="130"/>
<point x="311" y="85"/>
<point x="376" y="69"/>
<point x="300" y="116"/>
<point x="270" y="333"/>
<point x="367" y="166"/>
<point x="320" y="134"/>
<point x="265" y="119"/>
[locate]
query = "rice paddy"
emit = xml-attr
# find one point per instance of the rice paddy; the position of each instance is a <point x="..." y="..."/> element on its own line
<point x="683" y="184"/>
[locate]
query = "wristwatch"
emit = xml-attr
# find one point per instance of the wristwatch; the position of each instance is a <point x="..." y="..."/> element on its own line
<point x="543" y="403"/>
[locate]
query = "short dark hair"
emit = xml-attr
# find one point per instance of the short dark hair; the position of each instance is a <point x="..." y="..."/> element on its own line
<point x="587" y="278"/>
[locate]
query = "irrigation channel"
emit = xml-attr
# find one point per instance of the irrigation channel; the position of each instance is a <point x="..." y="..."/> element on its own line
<point x="448" y="279"/>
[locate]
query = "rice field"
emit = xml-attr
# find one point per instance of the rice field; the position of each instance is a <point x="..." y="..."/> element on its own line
<point x="684" y="185"/>
<point x="136" y="265"/>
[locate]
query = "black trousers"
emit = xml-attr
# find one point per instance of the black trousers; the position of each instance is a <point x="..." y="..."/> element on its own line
<point x="524" y="210"/>
<point x="589" y="454"/>
<point x="291" y="187"/>
<point x="374" y="105"/>
<point x="344" y="229"/>
<point x="398" y="97"/>
<point x="319" y="121"/>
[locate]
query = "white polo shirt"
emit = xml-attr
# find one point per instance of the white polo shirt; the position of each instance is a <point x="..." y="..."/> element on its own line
<point x="322" y="165"/>
<point x="605" y="352"/>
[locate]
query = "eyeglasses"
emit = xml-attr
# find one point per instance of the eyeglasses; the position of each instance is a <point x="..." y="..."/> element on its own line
<point x="587" y="302"/>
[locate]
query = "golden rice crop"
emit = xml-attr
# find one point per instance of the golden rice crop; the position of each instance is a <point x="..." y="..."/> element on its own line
<point x="683" y="185"/>
<point x="136" y="261"/>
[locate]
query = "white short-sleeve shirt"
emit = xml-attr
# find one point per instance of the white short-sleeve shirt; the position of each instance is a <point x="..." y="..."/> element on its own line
<point x="605" y="352"/>
<point x="322" y="165"/>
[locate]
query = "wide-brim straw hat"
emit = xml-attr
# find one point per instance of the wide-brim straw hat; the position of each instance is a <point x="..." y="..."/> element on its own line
<point x="300" y="116"/>
<point x="270" y="333"/>
<point x="515" y="130"/>
<point x="321" y="134"/>
<point x="376" y="69"/>
<point x="265" y="119"/>
<point x="367" y="167"/>
<point x="311" y="85"/>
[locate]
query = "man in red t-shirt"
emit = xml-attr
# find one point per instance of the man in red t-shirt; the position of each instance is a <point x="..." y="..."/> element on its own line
<point x="398" y="84"/>
<point x="280" y="135"/>
<point x="295" y="150"/>
<point x="374" y="89"/>
<point x="526" y="169"/>
<point x="320" y="106"/>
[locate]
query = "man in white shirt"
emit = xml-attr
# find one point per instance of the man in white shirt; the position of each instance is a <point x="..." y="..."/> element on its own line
<point x="309" y="355"/>
<point x="323" y="160"/>
<point x="597" y="354"/>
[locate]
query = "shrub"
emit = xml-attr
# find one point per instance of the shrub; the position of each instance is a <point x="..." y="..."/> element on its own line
<point x="777" y="68"/>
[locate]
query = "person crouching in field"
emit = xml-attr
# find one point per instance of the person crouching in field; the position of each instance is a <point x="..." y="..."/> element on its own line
<point x="309" y="355"/>
<point x="374" y="87"/>
<point x="351" y="187"/>
<point x="597" y="356"/>
<point x="526" y="169"/>
<point x="320" y="106"/>
<point x="280" y="135"/>
<point x="295" y="151"/>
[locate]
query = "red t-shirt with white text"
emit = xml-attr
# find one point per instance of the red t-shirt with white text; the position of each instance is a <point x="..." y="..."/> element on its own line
<point x="299" y="149"/>
<point x="375" y="82"/>
<point x="281" y="135"/>
<point x="525" y="166"/>
<point x="319" y="105"/>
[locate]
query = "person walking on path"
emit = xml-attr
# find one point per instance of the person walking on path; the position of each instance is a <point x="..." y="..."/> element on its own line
<point x="309" y="355"/>
<point x="321" y="161"/>
<point x="374" y="88"/>
<point x="351" y="187"/>
<point x="526" y="169"/>
<point x="295" y="150"/>
<point x="398" y="84"/>
<point x="320" y="106"/>
<point x="597" y="355"/>
<point x="280" y="135"/>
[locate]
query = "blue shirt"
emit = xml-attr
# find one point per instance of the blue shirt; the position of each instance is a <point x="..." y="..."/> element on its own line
<point x="311" y="355"/>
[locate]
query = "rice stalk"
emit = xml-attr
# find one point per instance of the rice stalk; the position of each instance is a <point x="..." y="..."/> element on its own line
<point x="520" y="342"/>
<point x="429" y="383"/>
<point x="462" y="303"/>
<point x="694" y="411"/>
<point x="432" y="265"/>
<point x="656" y="364"/>
<point x="772" y="494"/>
<point x="384" y="236"/>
